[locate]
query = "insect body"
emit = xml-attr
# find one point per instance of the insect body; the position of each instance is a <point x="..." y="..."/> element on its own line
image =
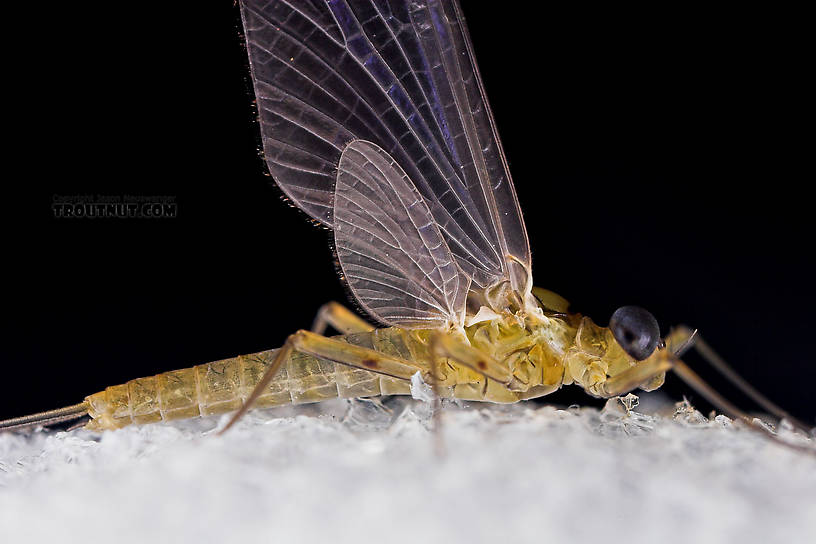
<point x="538" y="361"/>
<point x="374" y="122"/>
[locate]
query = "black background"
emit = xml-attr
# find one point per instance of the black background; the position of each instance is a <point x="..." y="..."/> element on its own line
<point x="660" y="159"/>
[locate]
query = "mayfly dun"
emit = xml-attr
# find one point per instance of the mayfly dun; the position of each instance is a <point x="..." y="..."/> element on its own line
<point x="375" y="123"/>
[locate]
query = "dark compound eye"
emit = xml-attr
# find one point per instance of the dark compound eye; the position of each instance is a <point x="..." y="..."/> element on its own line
<point x="636" y="330"/>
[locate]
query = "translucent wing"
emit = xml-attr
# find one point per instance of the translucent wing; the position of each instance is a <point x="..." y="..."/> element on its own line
<point x="399" y="74"/>
<point x="389" y="246"/>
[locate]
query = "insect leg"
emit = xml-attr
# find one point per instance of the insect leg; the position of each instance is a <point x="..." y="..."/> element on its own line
<point x="445" y="345"/>
<point x="721" y="403"/>
<point x="332" y="350"/>
<point x="340" y="318"/>
<point x="676" y="342"/>
<point x="436" y="387"/>
<point x="712" y="358"/>
<point x="634" y="376"/>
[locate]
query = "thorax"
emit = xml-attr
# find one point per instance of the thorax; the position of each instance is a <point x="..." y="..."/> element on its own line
<point x="534" y="350"/>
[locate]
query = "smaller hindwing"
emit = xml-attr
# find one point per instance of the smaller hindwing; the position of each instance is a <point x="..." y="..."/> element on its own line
<point x="390" y="248"/>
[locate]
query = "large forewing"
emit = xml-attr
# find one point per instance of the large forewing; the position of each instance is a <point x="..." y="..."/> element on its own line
<point x="398" y="74"/>
<point x="474" y="140"/>
<point x="390" y="248"/>
<point x="497" y="182"/>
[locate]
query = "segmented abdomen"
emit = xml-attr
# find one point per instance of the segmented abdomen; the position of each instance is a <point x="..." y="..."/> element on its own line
<point x="222" y="386"/>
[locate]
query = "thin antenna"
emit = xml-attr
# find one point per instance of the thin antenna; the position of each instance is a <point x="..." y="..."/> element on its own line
<point x="51" y="417"/>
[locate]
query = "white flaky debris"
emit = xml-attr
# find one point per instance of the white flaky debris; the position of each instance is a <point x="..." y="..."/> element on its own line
<point x="420" y="390"/>
<point x="372" y="471"/>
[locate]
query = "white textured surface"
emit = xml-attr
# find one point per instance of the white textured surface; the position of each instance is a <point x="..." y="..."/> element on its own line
<point x="509" y="474"/>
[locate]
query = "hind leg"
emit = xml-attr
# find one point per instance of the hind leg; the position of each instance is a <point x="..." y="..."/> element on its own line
<point x="332" y="350"/>
<point x="339" y="318"/>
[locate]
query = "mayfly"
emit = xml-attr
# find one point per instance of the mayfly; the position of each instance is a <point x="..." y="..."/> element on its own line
<point x="375" y="123"/>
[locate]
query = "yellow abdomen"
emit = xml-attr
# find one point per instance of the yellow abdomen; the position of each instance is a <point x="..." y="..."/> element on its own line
<point x="222" y="386"/>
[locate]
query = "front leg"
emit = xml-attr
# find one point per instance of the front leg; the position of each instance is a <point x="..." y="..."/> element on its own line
<point x="663" y="360"/>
